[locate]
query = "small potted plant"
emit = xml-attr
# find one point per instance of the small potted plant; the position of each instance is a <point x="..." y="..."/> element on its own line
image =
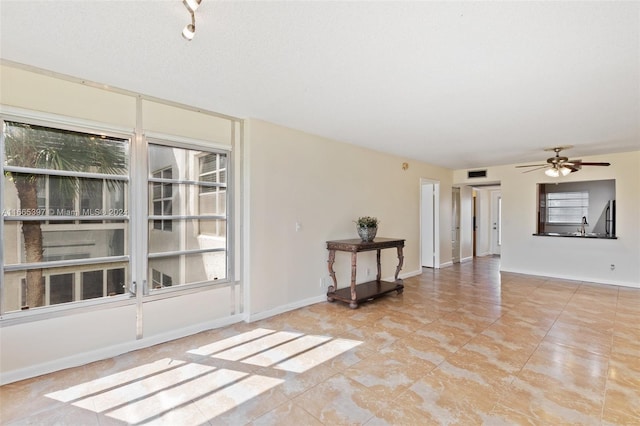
<point x="367" y="227"/>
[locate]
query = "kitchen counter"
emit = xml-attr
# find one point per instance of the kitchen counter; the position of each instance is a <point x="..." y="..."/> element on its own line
<point x="577" y="235"/>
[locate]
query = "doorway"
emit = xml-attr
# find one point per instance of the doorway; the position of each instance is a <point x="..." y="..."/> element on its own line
<point x="429" y="223"/>
<point x="485" y="210"/>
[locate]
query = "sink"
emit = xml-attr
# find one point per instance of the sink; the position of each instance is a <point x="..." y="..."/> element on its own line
<point x="586" y="234"/>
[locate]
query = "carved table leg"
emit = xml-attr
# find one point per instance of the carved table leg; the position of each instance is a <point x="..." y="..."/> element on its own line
<point x="332" y="273"/>
<point x="354" y="297"/>
<point x="399" y="267"/>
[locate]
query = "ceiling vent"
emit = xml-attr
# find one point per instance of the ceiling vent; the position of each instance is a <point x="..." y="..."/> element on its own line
<point x="472" y="174"/>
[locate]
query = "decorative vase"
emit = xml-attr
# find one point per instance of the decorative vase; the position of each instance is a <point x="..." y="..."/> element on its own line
<point x="367" y="234"/>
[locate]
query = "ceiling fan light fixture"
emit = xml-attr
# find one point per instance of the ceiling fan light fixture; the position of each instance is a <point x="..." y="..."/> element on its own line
<point x="553" y="172"/>
<point x="565" y="171"/>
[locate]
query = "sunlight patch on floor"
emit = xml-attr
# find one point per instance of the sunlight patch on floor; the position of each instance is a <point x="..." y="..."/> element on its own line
<point x="166" y="387"/>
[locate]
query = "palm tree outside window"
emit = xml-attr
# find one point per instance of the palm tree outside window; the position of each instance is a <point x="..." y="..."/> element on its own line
<point x="53" y="178"/>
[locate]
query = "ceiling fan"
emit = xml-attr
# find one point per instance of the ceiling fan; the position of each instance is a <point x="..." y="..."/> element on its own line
<point x="557" y="166"/>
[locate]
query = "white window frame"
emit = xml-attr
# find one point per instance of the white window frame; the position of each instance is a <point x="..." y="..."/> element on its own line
<point x="564" y="202"/>
<point x="191" y="178"/>
<point x="136" y="201"/>
<point x="57" y="267"/>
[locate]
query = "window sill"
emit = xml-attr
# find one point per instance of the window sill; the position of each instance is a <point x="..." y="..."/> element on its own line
<point x="65" y="309"/>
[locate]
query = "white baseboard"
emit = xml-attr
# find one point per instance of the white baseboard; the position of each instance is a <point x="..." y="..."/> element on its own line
<point x="411" y="274"/>
<point x="466" y="259"/>
<point x="573" y="278"/>
<point x="310" y="301"/>
<point x="111" y="351"/>
<point x="404" y="276"/>
<point x="285" y="308"/>
<point x="446" y="264"/>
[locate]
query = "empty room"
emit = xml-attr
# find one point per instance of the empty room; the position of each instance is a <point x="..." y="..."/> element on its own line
<point x="319" y="212"/>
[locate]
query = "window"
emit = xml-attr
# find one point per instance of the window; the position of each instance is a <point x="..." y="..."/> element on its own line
<point x="66" y="227"/>
<point x="567" y="207"/>
<point x="54" y="179"/>
<point x="162" y="199"/>
<point x="160" y="280"/>
<point x="60" y="289"/>
<point x="92" y="283"/>
<point x="212" y="198"/>
<point x="115" y="281"/>
<point x="196" y="251"/>
<point x="213" y="169"/>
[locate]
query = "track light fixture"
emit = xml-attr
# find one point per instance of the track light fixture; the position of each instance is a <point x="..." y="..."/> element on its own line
<point x="192" y="5"/>
<point x="190" y="29"/>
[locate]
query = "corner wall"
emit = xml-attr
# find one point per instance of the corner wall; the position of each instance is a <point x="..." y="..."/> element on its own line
<point x="324" y="185"/>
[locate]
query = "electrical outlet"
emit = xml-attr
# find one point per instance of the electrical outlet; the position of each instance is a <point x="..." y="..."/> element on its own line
<point x="613" y="267"/>
<point x="368" y="272"/>
<point x="321" y="282"/>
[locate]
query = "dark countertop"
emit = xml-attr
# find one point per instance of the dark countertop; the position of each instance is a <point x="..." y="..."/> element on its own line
<point x="577" y="235"/>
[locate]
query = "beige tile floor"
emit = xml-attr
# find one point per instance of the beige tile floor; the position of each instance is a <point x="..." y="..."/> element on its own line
<point x="463" y="345"/>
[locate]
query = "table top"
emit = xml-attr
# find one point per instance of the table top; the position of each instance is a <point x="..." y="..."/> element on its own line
<point x="356" y="244"/>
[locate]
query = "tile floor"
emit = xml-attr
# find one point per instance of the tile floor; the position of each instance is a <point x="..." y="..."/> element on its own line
<point x="463" y="345"/>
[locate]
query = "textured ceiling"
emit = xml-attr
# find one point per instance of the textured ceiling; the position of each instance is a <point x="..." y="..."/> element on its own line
<point x="457" y="84"/>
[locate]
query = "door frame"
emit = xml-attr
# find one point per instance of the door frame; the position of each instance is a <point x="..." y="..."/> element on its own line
<point x="496" y="222"/>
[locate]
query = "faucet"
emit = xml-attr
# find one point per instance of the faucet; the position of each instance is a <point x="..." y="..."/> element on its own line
<point x="584" y="222"/>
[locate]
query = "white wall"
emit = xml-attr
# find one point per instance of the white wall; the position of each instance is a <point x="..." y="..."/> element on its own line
<point x="571" y="258"/>
<point x="325" y="185"/>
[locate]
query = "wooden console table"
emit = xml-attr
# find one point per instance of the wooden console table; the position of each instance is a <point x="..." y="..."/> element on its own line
<point x="369" y="290"/>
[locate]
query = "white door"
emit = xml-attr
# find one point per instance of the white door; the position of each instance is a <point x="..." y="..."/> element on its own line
<point x="496" y="222"/>
<point x="429" y="207"/>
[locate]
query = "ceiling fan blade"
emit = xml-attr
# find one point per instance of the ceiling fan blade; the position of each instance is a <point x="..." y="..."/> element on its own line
<point x="561" y="163"/>
<point x="592" y="164"/>
<point x="587" y="163"/>
<point x="539" y="168"/>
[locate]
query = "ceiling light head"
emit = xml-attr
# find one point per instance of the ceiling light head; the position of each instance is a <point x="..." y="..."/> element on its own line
<point x="189" y="31"/>
<point x="192" y="5"/>
<point x="565" y="171"/>
<point x="552" y="172"/>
